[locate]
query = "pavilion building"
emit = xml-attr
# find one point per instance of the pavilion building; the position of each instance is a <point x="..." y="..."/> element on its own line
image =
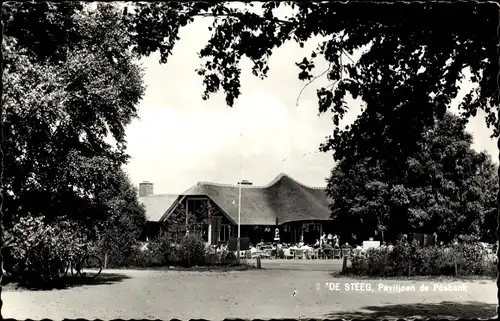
<point x="300" y="212"/>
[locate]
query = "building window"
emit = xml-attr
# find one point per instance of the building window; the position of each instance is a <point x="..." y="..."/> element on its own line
<point x="225" y="232"/>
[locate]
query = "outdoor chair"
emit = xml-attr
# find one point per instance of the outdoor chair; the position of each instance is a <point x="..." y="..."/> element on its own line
<point x="336" y="253"/>
<point x="315" y="254"/>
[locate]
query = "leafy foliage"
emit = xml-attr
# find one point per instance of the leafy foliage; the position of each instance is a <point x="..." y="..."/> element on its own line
<point x="45" y="30"/>
<point x="192" y="250"/>
<point x="60" y="103"/>
<point x="447" y="188"/>
<point x="126" y="221"/>
<point x="41" y="250"/>
<point x="408" y="75"/>
<point x="412" y="260"/>
<point x="189" y="251"/>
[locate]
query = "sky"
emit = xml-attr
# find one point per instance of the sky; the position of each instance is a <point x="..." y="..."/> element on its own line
<point x="180" y="139"/>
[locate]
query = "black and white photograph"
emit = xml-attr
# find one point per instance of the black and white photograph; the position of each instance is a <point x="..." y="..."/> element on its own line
<point x="250" y="160"/>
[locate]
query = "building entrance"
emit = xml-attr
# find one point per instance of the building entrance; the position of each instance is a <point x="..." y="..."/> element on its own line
<point x="311" y="232"/>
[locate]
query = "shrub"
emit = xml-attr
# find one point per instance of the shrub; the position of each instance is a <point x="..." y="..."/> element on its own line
<point x="490" y="265"/>
<point x="228" y="258"/>
<point x="411" y="260"/>
<point x="164" y="250"/>
<point x="191" y="251"/>
<point x="40" y="251"/>
<point x="119" y="244"/>
<point x="159" y="252"/>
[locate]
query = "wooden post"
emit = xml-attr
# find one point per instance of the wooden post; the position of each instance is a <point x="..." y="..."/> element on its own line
<point x="344" y="263"/>
<point x="105" y="260"/>
<point x="456" y="267"/>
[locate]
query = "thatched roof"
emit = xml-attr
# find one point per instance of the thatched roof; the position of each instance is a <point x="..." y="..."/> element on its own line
<point x="157" y="205"/>
<point x="284" y="199"/>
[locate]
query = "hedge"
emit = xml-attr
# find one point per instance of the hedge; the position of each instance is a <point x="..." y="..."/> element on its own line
<point x="411" y="260"/>
<point x="191" y="251"/>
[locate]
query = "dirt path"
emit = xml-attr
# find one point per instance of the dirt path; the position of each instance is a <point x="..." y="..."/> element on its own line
<point x="267" y="293"/>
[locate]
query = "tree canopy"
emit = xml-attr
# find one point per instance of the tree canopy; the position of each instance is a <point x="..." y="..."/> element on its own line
<point x="60" y="104"/>
<point x="407" y="78"/>
<point x="448" y="188"/>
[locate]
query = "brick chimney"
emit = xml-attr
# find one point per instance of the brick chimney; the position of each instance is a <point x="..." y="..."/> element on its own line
<point x="245" y="182"/>
<point x="145" y="189"/>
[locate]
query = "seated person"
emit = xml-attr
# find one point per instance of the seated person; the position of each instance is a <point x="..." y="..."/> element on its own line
<point x="317" y="244"/>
